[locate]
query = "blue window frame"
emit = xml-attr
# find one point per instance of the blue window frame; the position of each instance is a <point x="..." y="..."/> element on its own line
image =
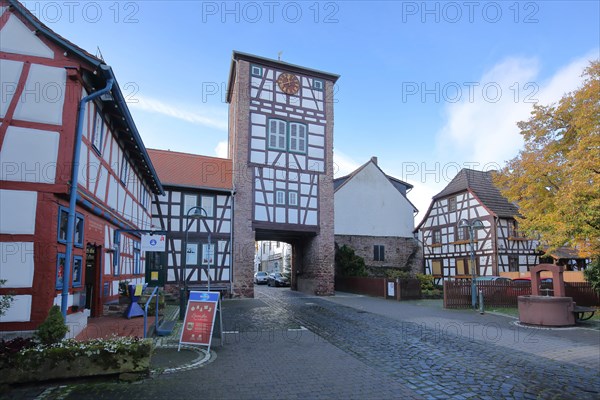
<point x="63" y="218"/>
<point x="136" y="258"/>
<point x="77" y="270"/>
<point x="60" y="269"/>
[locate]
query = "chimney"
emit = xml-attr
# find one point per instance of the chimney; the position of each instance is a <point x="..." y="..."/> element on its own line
<point x="374" y="160"/>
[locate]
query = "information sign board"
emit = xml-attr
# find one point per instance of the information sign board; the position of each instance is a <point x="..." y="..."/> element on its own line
<point x="199" y="320"/>
<point x="153" y="242"/>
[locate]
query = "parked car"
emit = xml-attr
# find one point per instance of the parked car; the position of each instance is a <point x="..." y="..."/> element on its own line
<point x="261" y="277"/>
<point x="278" y="279"/>
<point x="492" y="279"/>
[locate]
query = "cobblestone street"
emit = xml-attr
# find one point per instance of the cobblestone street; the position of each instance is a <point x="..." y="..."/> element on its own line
<point x="287" y="345"/>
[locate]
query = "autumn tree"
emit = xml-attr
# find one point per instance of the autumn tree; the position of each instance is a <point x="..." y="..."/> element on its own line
<point x="555" y="179"/>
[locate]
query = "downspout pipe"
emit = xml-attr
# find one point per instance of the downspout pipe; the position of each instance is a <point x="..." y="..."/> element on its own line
<point x="73" y="191"/>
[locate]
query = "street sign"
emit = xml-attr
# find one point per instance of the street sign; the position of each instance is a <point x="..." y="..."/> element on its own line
<point x="153" y="242"/>
<point x="199" y="320"/>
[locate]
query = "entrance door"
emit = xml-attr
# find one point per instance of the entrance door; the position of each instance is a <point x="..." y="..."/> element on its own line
<point x="156" y="268"/>
<point x="93" y="299"/>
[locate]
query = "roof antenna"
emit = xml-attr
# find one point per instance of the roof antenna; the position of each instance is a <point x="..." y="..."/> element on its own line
<point x="279" y="53"/>
<point x="99" y="53"/>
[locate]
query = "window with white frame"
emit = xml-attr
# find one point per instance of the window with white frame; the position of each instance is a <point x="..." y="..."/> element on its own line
<point x="437" y="236"/>
<point x="207" y="203"/>
<point x="208" y="254"/>
<point x="98" y="132"/>
<point x="124" y="170"/>
<point x="280" y="197"/>
<point x="191" y="254"/>
<point x="452" y="204"/>
<point x="297" y="137"/>
<point x="277" y="134"/>
<point x="293" y="198"/>
<point x="144" y="197"/>
<point x="189" y="201"/>
<point x="256" y="70"/>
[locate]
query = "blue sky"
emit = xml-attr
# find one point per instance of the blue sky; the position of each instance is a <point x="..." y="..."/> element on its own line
<point x="427" y="87"/>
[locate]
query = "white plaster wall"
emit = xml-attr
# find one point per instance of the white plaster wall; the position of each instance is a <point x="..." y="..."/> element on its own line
<point x="19" y="310"/>
<point x="368" y="204"/>
<point x="43" y="98"/>
<point x="16" y="264"/>
<point x="18" y="39"/>
<point x="17" y="212"/>
<point x="29" y="155"/>
<point x="10" y="71"/>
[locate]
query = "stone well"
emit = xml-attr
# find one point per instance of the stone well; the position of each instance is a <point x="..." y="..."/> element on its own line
<point x="554" y="310"/>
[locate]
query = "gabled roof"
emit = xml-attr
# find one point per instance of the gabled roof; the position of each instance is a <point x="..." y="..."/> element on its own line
<point x="481" y="184"/>
<point x="123" y="123"/>
<point x="192" y="170"/>
<point x="400" y="185"/>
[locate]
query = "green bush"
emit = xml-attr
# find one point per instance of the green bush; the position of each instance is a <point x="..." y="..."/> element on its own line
<point x="348" y="263"/>
<point x="397" y="274"/>
<point x="592" y="274"/>
<point x="53" y="329"/>
<point x="426" y="281"/>
<point x="5" y="299"/>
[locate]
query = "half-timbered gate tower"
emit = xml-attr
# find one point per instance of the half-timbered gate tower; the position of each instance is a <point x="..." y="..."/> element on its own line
<point x="281" y="147"/>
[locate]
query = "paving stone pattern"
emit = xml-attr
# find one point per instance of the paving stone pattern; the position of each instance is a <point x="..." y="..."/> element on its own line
<point x="287" y="345"/>
<point x="436" y="364"/>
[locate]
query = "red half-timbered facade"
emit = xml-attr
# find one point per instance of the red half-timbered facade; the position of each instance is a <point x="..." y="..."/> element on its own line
<point x="189" y="181"/>
<point x="499" y="246"/>
<point x="44" y="79"/>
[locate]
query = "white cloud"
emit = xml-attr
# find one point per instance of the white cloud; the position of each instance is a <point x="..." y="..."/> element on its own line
<point x="343" y="165"/>
<point x="222" y="149"/>
<point x="194" y="114"/>
<point x="482" y="128"/>
<point x="421" y="196"/>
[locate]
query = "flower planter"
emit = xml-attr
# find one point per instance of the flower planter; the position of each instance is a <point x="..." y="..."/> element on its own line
<point x="75" y="362"/>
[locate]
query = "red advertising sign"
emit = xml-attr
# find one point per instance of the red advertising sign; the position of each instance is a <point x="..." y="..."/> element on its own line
<point x="199" y="319"/>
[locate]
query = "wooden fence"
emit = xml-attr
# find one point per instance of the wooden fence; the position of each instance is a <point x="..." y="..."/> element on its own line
<point x="457" y="294"/>
<point x="369" y="286"/>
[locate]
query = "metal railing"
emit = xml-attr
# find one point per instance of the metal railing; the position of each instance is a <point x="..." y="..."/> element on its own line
<point x="154" y="293"/>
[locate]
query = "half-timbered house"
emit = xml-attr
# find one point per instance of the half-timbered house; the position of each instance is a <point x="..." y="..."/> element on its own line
<point x="195" y="183"/>
<point x="281" y="147"/>
<point x="73" y="172"/>
<point x="374" y="217"/>
<point x="498" y="246"/>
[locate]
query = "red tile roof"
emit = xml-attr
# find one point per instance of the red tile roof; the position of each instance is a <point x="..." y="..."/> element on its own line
<point x="192" y="170"/>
